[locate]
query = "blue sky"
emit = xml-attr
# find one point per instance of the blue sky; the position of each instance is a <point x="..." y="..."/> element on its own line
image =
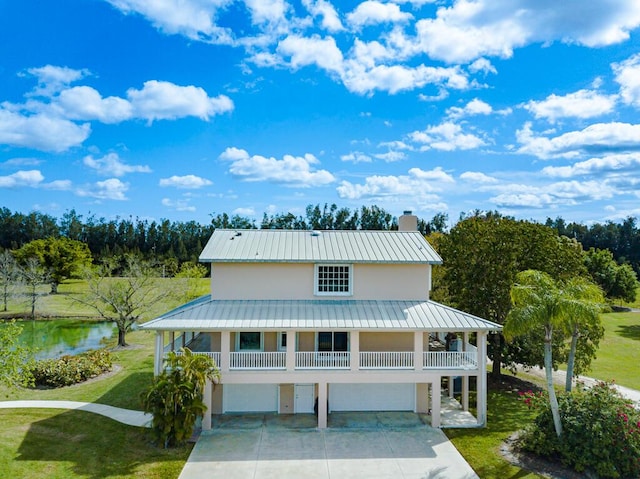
<point x="182" y="108"/>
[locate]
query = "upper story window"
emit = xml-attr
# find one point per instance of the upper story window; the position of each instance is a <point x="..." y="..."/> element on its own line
<point x="334" y="279"/>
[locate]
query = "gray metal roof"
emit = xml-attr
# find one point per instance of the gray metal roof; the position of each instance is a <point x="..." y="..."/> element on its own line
<point x="304" y="246"/>
<point x="235" y="315"/>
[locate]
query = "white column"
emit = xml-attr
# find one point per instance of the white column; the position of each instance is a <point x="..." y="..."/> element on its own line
<point x="159" y="353"/>
<point x="418" y="348"/>
<point x="355" y="350"/>
<point x="435" y="403"/>
<point x="465" y="379"/>
<point x="206" y="398"/>
<point x="322" y="406"/>
<point x="225" y="351"/>
<point x="291" y="350"/>
<point x="482" y="378"/>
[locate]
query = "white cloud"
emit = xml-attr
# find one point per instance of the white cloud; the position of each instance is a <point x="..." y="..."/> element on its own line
<point x="482" y="65"/>
<point x="628" y="77"/>
<point x="28" y="178"/>
<point x="110" y="165"/>
<point x="474" y="107"/>
<point x="594" y="139"/>
<point x="330" y="19"/>
<point x="186" y="182"/>
<point x="85" y="103"/>
<point x="192" y="18"/>
<point x="477" y="177"/>
<point x="391" y="156"/>
<point x="267" y="11"/>
<point x="356" y="157"/>
<point x="371" y="12"/>
<point x="294" y="171"/>
<point x="417" y="184"/>
<point x="178" y="205"/>
<point x="447" y="136"/>
<point x="58" y="185"/>
<point x="111" y="189"/>
<point x="40" y="131"/>
<point x="581" y="104"/>
<point x="468" y="30"/>
<point x="625" y="163"/>
<point x="312" y="51"/>
<point x="244" y="211"/>
<point x="160" y="100"/>
<point x="52" y="79"/>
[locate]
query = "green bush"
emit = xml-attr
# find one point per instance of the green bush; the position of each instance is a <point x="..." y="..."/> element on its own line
<point x="69" y="370"/>
<point x="601" y="432"/>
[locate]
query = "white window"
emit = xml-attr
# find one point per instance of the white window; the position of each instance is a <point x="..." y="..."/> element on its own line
<point x="282" y="341"/>
<point x="334" y="279"/>
<point x="249" y="341"/>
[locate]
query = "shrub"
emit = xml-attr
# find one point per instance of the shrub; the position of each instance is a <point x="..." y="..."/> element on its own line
<point x="69" y="370"/>
<point x="601" y="432"/>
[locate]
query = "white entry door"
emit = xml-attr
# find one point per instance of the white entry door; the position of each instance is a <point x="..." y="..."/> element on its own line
<point x="304" y="398"/>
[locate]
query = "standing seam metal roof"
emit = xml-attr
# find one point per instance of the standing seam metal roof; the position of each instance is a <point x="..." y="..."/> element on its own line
<point x="203" y="315"/>
<point x="226" y="245"/>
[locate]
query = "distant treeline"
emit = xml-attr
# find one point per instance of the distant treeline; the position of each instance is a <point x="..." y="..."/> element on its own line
<point x="176" y="241"/>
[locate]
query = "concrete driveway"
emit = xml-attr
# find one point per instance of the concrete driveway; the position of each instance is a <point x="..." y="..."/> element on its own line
<point x="359" y="448"/>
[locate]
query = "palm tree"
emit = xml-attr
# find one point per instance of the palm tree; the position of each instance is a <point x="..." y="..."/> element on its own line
<point x="584" y="301"/>
<point x="540" y="302"/>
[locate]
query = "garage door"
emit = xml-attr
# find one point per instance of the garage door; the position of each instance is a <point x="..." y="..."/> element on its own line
<point x="372" y="397"/>
<point x="250" y="397"/>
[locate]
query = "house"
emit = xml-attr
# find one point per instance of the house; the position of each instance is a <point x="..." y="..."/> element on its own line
<point x="326" y="321"/>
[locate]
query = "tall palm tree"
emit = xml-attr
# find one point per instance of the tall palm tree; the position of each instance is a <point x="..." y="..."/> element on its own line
<point x="540" y="302"/>
<point x="584" y="302"/>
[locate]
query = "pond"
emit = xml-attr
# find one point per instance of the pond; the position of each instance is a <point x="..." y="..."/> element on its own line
<point x="57" y="337"/>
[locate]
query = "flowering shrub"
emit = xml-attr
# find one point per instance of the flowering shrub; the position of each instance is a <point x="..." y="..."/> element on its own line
<point x="601" y="431"/>
<point x="69" y="370"/>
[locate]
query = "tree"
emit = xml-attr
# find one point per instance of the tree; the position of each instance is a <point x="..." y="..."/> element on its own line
<point x="33" y="275"/>
<point x="123" y="299"/>
<point x="482" y="255"/>
<point x="175" y="397"/>
<point x="617" y="281"/>
<point x="9" y="274"/>
<point x="540" y="302"/>
<point x="62" y="257"/>
<point x="15" y="358"/>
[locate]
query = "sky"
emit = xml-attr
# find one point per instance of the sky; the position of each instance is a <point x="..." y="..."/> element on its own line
<point x="183" y="109"/>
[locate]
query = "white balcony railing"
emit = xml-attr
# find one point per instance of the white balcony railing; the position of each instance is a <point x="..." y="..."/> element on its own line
<point x="386" y="360"/>
<point x="323" y="360"/>
<point x="450" y="360"/>
<point x="258" y="360"/>
<point x="213" y="355"/>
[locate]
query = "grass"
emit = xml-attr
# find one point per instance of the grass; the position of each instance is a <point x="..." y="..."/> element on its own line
<point x="619" y="352"/>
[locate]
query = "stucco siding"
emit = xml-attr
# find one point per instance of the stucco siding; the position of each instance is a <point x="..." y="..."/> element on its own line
<point x="391" y="281"/>
<point x="270" y="341"/>
<point x="306" y="341"/>
<point x="386" y="341"/>
<point x="286" y="399"/>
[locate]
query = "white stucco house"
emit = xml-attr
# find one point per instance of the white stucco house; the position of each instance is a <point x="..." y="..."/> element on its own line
<point x="329" y="321"/>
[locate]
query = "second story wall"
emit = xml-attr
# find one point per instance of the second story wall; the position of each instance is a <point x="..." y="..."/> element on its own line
<point x="296" y="281"/>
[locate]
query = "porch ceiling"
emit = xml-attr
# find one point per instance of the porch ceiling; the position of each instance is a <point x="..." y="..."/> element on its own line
<point x="206" y="314"/>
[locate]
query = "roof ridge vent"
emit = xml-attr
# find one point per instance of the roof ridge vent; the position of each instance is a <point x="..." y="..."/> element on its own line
<point x="315" y="233"/>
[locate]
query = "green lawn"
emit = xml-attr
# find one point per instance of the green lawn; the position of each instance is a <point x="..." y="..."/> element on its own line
<point x="619" y="353"/>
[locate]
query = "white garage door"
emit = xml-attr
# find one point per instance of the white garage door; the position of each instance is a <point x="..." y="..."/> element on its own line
<point x="250" y="397"/>
<point x="372" y="397"/>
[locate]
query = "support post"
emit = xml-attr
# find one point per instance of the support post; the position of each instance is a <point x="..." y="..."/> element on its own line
<point x="172" y="340"/>
<point x="206" y="397"/>
<point x="418" y="348"/>
<point x="291" y="350"/>
<point x="225" y="351"/>
<point x="158" y="359"/>
<point x="435" y="403"/>
<point x="482" y="378"/>
<point x="465" y="379"/>
<point x="355" y="350"/>
<point x="322" y="405"/>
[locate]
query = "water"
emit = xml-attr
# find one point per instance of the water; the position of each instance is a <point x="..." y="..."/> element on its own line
<point x="58" y="337"/>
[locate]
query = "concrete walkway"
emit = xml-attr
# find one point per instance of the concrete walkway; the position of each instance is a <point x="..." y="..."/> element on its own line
<point x="125" y="416"/>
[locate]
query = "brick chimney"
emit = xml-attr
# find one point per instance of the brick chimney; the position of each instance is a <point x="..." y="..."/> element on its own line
<point x="408" y="222"/>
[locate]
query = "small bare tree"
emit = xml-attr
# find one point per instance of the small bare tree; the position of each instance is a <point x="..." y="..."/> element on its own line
<point x="9" y="277"/>
<point x="125" y="298"/>
<point x="33" y="275"/>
